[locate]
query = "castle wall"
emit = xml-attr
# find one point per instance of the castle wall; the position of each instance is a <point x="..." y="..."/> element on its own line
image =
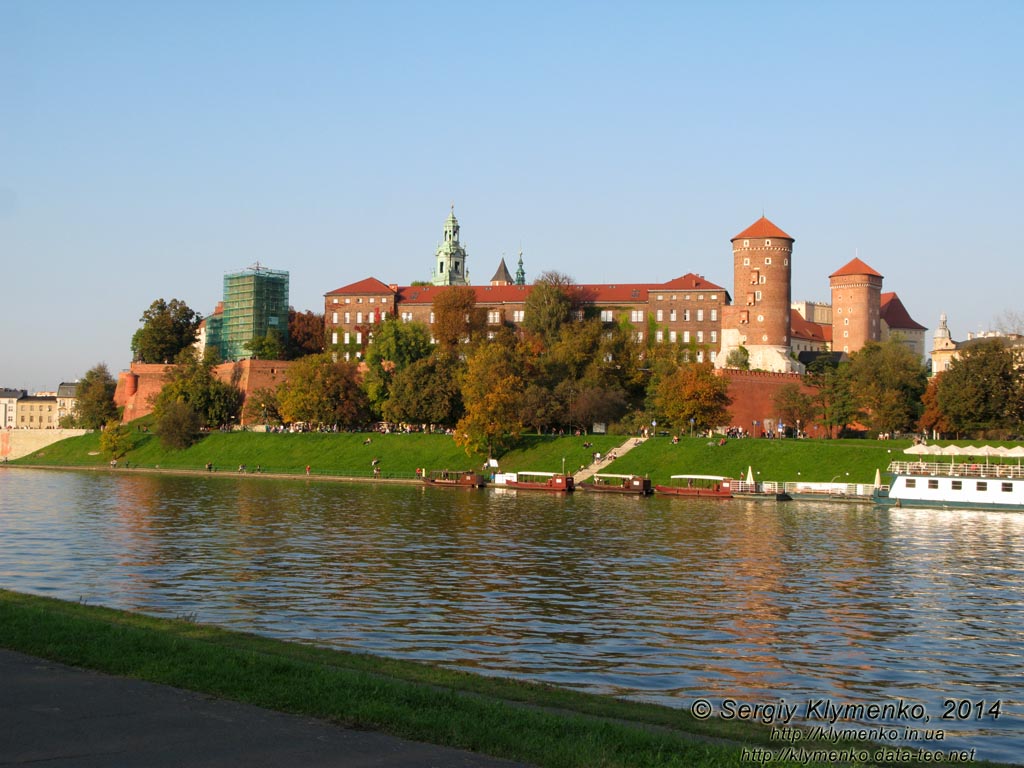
<point x="753" y="398"/>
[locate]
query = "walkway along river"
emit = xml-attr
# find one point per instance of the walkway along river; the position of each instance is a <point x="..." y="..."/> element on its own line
<point x="661" y="599"/>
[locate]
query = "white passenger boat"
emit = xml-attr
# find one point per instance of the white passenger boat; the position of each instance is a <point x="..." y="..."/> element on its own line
<point x="977" y="483"/>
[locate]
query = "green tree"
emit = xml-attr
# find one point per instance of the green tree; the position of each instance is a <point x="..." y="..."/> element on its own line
<point x="261" y="407"/>
<point x="116" y="439"/>
<point x="981" y="391"/>
<point x="591" y="404"/>
<point x="269" y="347"/>
<point x="794" y="406"/>
<point x="457" y="318"/>
<point x="396" y="346"/>
<point x="547" y="309"/>
<point x="738" y="358"/>
<point x="306" y="334"/>
<point x="426" y="392"/>
<point x="167" y="329"/>
<point x="492" y="391"/>
<point x="321" y="390"/>
<point x="694" y="393"/>
<point x="834" y="403"/>
<point x="178" y="425"/>
<point x="94" y="399"/>
<point x="192" y="382"/>
<point x="887" y="381"/>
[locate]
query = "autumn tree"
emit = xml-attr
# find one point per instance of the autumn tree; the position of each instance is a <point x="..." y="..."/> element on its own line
<point x="261" y="407"/>
<point x="888" y="380"/>
<point x="94" y="399"/>
<point x="179" y="425"/>
<point x="492" y="392"/>
<point x="321" y="390"/>
<point x="981" y="390"/>
<point x="933" y="420"/>
<point x="457" y="318"/>
<point x="547" y="308"/>
<point x="116" y="439"/>
<point x="794" y="406"/>
<point x="694" y="395"/>
<point x="167" y="329"/>
<point x="306" y="334"/>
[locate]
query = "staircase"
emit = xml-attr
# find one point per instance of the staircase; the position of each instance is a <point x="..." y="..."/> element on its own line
<point x="597" y="466"/>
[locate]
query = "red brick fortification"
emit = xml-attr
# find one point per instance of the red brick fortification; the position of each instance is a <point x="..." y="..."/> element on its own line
<point x="753" y="397"/>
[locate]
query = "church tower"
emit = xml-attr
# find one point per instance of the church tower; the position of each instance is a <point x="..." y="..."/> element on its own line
<point x="450" y="258"/>
<point x="759" y="319"/>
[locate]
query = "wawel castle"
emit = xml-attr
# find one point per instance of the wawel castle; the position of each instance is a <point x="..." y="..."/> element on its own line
<point x="758" y="315"/>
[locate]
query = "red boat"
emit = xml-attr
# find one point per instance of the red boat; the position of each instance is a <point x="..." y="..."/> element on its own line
<point x="456" y="478"/>
<point x="619" y="484"/>
<point x="704" y="486"/>
<point x="542" y="481"/>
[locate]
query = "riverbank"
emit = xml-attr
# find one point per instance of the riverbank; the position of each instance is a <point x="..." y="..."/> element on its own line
<point x="352" y="455"/>
<point x="526" y="722"/>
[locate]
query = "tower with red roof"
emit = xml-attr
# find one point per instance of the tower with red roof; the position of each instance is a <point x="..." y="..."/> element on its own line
<point x="856" y="306"/>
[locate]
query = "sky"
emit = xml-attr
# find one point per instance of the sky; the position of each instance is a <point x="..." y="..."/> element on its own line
<point x="146" y="149"/>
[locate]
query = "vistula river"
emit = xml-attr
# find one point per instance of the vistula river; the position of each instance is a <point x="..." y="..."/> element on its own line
<point x="661" y="599"/>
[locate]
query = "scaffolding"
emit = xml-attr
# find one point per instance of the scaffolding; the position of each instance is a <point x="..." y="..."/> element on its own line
<point x="255" y="304"/>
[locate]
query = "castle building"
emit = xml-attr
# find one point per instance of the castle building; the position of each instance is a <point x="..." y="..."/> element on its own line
<point x="898" y="324"/>
<point x="759" y="321"/>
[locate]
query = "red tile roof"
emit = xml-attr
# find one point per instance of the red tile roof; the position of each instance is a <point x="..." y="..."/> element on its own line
<point x="762" y="228"/>
<point x="855" y="267"/>
<point x="800" y="328"/>
<point x="896" y="315"/>
<point x="370" y="285"/>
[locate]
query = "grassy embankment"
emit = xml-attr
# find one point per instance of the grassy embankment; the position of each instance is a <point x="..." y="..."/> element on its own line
<point x="528" y="722"/>
<point x="347" y="455"/>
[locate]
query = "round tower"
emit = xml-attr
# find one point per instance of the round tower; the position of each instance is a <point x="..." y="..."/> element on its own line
<point x="856" y="306"/>
<point x="761" y="257"/>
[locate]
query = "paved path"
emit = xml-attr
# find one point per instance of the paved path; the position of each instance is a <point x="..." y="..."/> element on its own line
<point x="597" y="466"/>
<point x="63" y="717"/>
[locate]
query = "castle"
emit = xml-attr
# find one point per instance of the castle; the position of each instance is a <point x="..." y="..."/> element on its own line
<point x="759" y="317"/>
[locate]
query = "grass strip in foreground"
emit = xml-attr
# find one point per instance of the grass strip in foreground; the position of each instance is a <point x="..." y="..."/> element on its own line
<point x="531" y="723"/>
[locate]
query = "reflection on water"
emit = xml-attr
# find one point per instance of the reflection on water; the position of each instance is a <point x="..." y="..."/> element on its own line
<point x="661" y="599"/>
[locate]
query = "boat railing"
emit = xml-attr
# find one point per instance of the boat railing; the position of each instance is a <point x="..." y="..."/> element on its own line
<point x="954" y="469"/>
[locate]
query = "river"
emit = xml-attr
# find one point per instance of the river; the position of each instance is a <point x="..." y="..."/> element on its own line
<point x="660" y="599"/>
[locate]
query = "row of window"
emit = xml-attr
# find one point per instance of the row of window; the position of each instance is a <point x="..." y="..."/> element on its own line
<point x="958" y="485"/>
<point x="359" y="300"/>
<point x="371" y="317"/>
<point x="767" y="261"/>
<point x="494" y="316"/>
<point x="687" y="297"/>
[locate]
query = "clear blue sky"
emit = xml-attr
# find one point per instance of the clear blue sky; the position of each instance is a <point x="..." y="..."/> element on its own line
<point x="148" y="148"/>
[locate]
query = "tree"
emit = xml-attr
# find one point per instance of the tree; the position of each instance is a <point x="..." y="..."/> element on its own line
<point x="593" y="404"/>
<point x="94" y="399"/>
<point x="167" y="329"/>
<point x="738" y="358"/>
<point x="116" y="439"/>
<point x="492" y="392"/>
<point x="192" y="382"/>
<point x="457" y="318"/>
<point x="888" y="381"/>
<point x="261" y="407"/>
<point x="794" y="406"/>
<point x="321" y="390"/>
<point x="269" y="347"/>
<point x="178" y="425"/>
<point x="396" y="346"/>
<point x="306" y="334"/>
<point x="932" y="419"/>
<point x="982" y="389"/>
<point x="694" y="395"/>
<point x="835" y="405"/>
<point x="426" y="392"/>
<point x="547" y="309"/>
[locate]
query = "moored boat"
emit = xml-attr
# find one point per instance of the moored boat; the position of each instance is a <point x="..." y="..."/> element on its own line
<point x="704" y="486"/>
<point x="455" y="478"/>
<point x="541" y="481"/>
<point x="941" y="485"/>
<point x="608" y="483"/>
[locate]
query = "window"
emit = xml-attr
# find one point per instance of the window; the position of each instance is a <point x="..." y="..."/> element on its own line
<point x="334" y="318"/>
<point x="686" y="337"/>
<point x="518" y="315"/>
<point x="714" y="337"/>
<point x="958" y="485"/>
<point x="348" y="301"/>
<point x="767" y="243"/>
<point x="637" y="315"/>
<point x="757" y="295"/>
<point x="359" y="337"/>
<point x="672" y="316"/>
<point x="639" y="336"/>
<point x="431" y="318"/>
<point x="714" y="297"/>
<point x="359" y="300"/>
<point x="700" y="337"/>
<point x="384" y="300"/>
<point x="659" y="336"/>
<point x="1007" y="487"/>
<point x="714" y="315"/>
<point x="334" y="300"/>
<point x="672" y="336"/>
<point x="348" y="339"/>
<point x="700" y="355"/>
<point x="767" y="261"/>
<point x="606" y="316"/>
<point x="348" y="318"/>
<point x="746" y="243"/>
<point x="660" y="315"/>
<point x="372" y="317"/>
<point x="407" y="317"/>
<point x="700" y="315"/>
<point x="359" y="317"/>
<point x="686" y="315"/>
<point x="933" y="485"/>
<point x="660" y="297"/>
<point x="982" y="485"/>
<point x="746" y="261"/>
<point x="911" y="482"/>
<point x="493" y="317"/>
<point x="334" y="338"/>
<point x="713" y="356"/>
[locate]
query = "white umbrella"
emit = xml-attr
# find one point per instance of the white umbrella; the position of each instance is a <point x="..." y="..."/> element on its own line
<point x="750" y="475"/>
<point x="918" y="449"/>
<point x="878" y="478"/>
